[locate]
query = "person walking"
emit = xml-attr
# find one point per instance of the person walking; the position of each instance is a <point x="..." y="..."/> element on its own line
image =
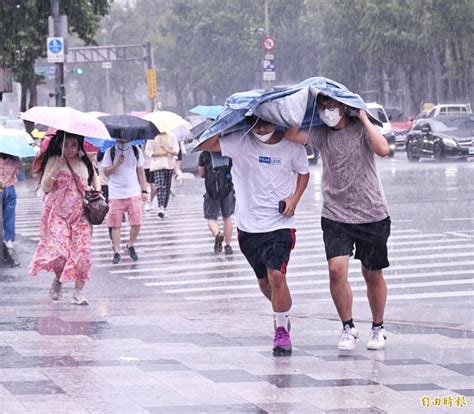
<point x="163" y="151"/>
<point x="270" y="175"/>
<point x="219" y="197"/>
<point x="354" y="212"/>
<point x="65" y="233"/>
<point x="9" y="171"/>
<point x="123" y="165"/>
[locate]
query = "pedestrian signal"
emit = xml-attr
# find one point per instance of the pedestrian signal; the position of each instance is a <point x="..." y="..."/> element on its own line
<point x="151" y="83"/>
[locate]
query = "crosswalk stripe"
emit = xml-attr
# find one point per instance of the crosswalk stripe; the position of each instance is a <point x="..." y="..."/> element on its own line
<point x="322" y="290"/>
<point x="315" y="280"/>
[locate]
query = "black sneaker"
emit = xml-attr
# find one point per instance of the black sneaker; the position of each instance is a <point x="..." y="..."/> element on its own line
<point x="131" y="251"/>
<point x="228" y="249"/>
<point x="218" y="242"/>
<point x="116" y="258"/>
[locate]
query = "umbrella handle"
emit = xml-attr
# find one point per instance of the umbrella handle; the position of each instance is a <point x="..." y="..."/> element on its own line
<point x="64" y="143"/>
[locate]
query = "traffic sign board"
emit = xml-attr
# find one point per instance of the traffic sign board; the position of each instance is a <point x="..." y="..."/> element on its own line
<point x="151" y="81"/>
<point x="55" y="46"/>
<point x="268" y="43"/>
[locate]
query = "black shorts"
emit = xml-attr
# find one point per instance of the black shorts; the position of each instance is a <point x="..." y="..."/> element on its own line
<point x="267" y="250"/>
<point x="370" y="241"/>
<point x="212" y="207"/>
<point x="149" y="176"/>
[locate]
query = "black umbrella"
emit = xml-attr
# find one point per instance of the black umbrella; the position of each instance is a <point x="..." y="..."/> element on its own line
<point x="129" y="127"/>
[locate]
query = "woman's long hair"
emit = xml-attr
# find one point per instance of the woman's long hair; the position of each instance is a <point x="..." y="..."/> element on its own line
<point x="55" y="148"/>
<point x="8" y="156"/>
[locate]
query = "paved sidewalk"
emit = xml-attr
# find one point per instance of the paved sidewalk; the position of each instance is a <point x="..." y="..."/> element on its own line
<point x="135" y="350"/>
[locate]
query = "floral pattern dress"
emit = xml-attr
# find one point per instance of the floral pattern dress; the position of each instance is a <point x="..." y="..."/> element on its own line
<point x="65" y="232"/>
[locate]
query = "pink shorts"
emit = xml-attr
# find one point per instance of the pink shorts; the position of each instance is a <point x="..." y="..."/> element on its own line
<point x="117" y="208"/>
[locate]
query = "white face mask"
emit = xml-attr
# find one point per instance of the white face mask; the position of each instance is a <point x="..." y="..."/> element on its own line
<point x="330" y="117"/>
<point x="264" y="138"/>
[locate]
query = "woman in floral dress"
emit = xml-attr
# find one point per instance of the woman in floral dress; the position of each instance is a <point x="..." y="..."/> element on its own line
<point x="65" y="232"/>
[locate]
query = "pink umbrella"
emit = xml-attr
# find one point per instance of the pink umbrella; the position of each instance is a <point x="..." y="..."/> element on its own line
<point x="67" y="119"/>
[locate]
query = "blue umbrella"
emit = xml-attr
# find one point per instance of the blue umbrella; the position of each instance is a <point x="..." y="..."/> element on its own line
<point x="104" y="144"/>
<point x="242" y="104"/>
<point x="209" y="111"/>
<point x="15" y="147"/>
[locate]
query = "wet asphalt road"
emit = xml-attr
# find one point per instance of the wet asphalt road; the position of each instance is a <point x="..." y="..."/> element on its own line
<point x="185" y="330"/>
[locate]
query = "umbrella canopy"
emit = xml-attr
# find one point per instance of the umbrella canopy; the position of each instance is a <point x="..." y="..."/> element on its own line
<point x="166" y="121"/>
<point x="18" y="134"/>
<point x="67" y="119"/>
<point x="104" y="144"/>
<point x="280" y="107"/>
<point x="129" y="127"/>
<point x="16" y="147"/>
<point x="209" y="111"/>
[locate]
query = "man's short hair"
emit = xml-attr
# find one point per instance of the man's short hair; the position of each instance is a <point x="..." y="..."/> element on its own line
<point x="323" y="98"/>
<point x="254" y="121"/>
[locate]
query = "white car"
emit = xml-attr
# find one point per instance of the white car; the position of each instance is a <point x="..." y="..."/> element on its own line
<point x="377" y="111"/>
<point x="449" y="109"/>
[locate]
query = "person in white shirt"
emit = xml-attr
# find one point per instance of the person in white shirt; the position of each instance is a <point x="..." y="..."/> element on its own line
<point x="163" y="151"/>
<point x="270" y="175"/>
<point x="126" y="183"/>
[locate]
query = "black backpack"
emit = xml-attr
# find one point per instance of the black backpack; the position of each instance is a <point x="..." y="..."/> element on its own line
<point x="218" y="180"/>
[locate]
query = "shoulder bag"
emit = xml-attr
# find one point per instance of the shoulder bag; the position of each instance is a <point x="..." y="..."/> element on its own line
<point x="95" y="206"/>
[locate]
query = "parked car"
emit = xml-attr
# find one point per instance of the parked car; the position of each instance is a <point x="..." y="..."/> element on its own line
<point x="377" y="111"/>
<point x="449" y="109"/>
<point x="401" y="124"/>
<point x="449" y="136"/>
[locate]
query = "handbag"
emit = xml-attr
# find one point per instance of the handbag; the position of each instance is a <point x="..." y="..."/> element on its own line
<point x="95" y="206"/>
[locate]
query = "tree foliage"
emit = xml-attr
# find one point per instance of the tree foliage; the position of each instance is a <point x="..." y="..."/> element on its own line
<point x="398" y="52"/>
<point x="23" y="30"/>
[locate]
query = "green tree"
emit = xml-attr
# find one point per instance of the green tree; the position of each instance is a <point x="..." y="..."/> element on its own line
<point x="23" y="32"/>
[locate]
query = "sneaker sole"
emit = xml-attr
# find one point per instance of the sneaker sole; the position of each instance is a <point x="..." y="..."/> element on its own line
<point x="340" y="348"/>
<point x="218" y="244"/>
<point x="281" y="351"/>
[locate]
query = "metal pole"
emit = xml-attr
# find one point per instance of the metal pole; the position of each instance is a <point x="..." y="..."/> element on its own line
<point x="267" y="30"/>
<point x="59" y="75"/>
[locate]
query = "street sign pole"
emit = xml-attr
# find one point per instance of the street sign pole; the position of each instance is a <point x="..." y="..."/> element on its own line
<point x="59" y="78"/>
<point x="268" y="63"/>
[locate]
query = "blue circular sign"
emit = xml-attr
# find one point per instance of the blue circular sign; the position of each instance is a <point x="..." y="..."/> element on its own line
<point x="55" y="46"/>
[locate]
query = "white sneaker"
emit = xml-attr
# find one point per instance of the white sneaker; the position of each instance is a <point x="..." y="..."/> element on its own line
<point x="348" y="339"/>
<point x="78" y="298"/>
<point x="377" y="338"/>
<point x="147" y="206"/>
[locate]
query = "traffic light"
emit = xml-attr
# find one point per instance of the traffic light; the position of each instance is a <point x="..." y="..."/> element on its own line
<point x="79" y="71"/>
<point x="151" y="83"/>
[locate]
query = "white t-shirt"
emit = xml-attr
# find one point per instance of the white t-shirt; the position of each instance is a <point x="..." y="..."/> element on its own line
<point x="123" y="183"/>
<point x="263" y="174"/>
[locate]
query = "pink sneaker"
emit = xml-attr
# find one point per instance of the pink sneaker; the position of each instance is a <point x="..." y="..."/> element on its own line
<point x="282" y="342"/>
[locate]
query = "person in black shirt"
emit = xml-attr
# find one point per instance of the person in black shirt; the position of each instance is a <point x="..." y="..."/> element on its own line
<point x="219" y="197"/>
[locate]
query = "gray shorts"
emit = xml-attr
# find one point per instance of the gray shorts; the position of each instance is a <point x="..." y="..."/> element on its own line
<point x="212" y="207"/>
